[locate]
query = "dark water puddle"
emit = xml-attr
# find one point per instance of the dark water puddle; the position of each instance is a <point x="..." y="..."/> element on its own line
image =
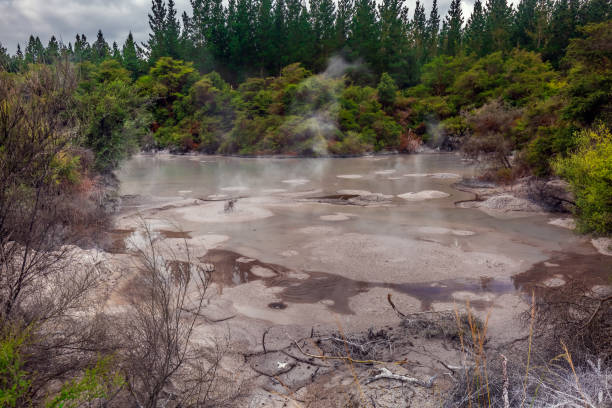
<point x="233" y="269"/>
<point x="115" y="240"/>
<point x="312" y="286"/>
<point x="588" y="270"/>
<point x="174" y="234"/>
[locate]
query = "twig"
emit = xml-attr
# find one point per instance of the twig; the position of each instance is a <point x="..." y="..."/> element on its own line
<point x="388" y="375"/>
<point x="349" y="359"/>
<point x="303" y="360"/>
<point x="263" y="340"/>
<point x="505" y="386"/>
<point x="601" y="302"/>
<point x="400" y="314"/>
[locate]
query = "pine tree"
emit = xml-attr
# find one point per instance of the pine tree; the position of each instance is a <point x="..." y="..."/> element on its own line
<point x="39" y="51"/>
<point x="475" y="30"/>
<point x="300" y="37"/>
<point x="498" y="26"/>
<point x="433" y="30"/>
<point x="157" y="23"/>
<point x="17" y="62"/>
<point x="524" y="24"/>
<point x="395" y="56"/>
<point x="279" y="33"/>
<point x="172" y="32"/>
<point x="130" y="57"/>
<point x="561" y="27"/>
<point x="418" y="36"/>
<point x="454" y="22"/>
<point x="116" y="53"/>
<point x="187" y="46"/>
<point x="82" y="49"/>
<point x="207" y="32"/>
<point x="323" y="14"/>
<point x="216" y="35"/>
<point x="365" y="32"/>
<point x="5" y="59"/>
<point x="595" y="11"/>
<point x="263" y="36"/>
<point x="240" y="34"/>
<point x="342" y="28"/>
<point x="100" y="49"/>
<point x="30" y="51"/>
<point x="52" y="51"/>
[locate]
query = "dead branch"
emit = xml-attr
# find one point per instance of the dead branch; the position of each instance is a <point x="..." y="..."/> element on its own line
<point x="342" y="358"/>
<point x="388" y="375"/>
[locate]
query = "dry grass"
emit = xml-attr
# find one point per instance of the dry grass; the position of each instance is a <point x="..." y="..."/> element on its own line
<point x="491" y="380"/>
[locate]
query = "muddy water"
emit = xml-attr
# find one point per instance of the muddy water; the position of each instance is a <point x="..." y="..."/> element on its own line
<point x="297" y="236"/>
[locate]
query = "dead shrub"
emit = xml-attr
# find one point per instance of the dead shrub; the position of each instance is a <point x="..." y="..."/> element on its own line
<point x="490" y="134"/>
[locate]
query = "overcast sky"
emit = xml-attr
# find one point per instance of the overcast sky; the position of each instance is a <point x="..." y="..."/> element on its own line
<point x="116" y="18"/>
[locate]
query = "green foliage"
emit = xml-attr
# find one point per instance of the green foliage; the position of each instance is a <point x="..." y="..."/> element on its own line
<point x="589" y="90"/>
<point x="386" y="90"/>
<point x="97" y="383"/>
<point x="112" y="118"/>
<point x="14" y="380"/>
<point x="589" y="171"/>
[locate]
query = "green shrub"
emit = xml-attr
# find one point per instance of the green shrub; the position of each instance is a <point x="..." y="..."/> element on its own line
<point x="588" y="169"/>
<point x="14" y="381"/>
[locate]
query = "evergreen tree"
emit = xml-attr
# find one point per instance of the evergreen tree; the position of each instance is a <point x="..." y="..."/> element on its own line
<point x="157" y="23"/>
<point x="595" y="11"/>
<point x="279" y="33"/>
<point x="5" y="59"/>
<point x="216" y="35"/>
<point x="40" y="52"/>
<point x="475" y="30"/>
<point x="365" y="31"/>
<point x="342" y="28"/>
<point x="116" y="53"/>
<point x="264" y="29"/>
<point x="130" y="57"/>
<point x="18" y="59"/>
<point x="386" y="89"/>
<point x="81" y="48"/>
<point x="69" y="51"/>
<point x="208" y="34"/>
<point x="395" y="56"/>
<point x="172" y="32"/>
<point x="30" y="51"/>
<point x="198" y="23"/>
<point x="524" y="24"/>
<point x="561" y="27"/>
<point x="100" y="49"/>
<point x="240" y="34"/>
<point x="433" y="29"/>
<point x="454" y="22"/>
<point x="300" y="36"/>
<point x="323" y="14"/>
<point x="419" y="33"/>
<point x="498" y="26"/>
<point x="19" y="54"/>
<point x="186" y="43"/>
<point x="52" y="51"/>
